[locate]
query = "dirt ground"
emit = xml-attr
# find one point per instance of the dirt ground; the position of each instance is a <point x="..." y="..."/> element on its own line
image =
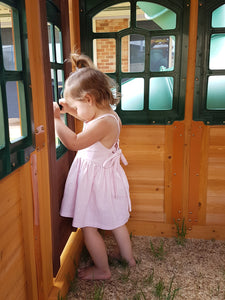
<point x="165" y="270"/>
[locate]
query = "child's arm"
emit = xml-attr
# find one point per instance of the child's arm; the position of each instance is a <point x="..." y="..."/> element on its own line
<point x="65" y="134"/>
<point x="104" y="130"/>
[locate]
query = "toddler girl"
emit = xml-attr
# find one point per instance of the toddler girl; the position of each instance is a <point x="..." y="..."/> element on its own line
<point x="96" y="193"/>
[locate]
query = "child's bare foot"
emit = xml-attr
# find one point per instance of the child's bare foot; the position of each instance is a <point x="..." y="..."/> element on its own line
<point x="93" y="273"/>
<point x="132" y="262"/>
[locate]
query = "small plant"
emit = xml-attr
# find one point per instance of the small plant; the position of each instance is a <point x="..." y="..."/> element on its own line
<point x="60" y="297"/>
<point x="131" y="235"/>
<point x="159" y="288"/>
<point x="124" y="277"/>
<point x="158" y="252"/>
<point x="181" y="232"/>
<point x="149" y="279"/>
<point x="171" y="294"/>
<point x="98" y="292"/>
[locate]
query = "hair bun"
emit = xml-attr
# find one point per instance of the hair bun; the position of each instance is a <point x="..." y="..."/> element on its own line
<point x="80" y="61"/>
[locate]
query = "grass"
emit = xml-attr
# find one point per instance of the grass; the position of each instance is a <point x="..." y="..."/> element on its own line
<point x="181" y="231"/>
<point x="160" y="290"/>
<point x="159" y="251"/>
<point x="98" y="292"/>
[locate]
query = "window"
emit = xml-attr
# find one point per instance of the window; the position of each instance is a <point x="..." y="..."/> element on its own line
<point x="140" y="44"/>
<point x="56" y="61"/>
<point x="210" y="72"/>
<point x="15" y="123"/>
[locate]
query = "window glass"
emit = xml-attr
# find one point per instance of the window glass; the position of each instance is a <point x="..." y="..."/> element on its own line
<point x="218" y="17"/>
<point x="2" y="131"/>
<point x="54" y="84"/>
<point x="105" y="54"/>
<point x="60" y="79"/>
<point x="216" y="93"/>
<point x="132" y="94"/>
<point x="217" y="51"/>
<point x="112" y="19"/>
<point x="152" y="16"/>
<point x="50" y="42"/>
<point x="161" y="93"/>
<point x="16" y="110"/>
<point x="58" y="45"/>
<point x="133" y="53"/>
<point x="162" y="53"/>
<point x="10" y="47"/>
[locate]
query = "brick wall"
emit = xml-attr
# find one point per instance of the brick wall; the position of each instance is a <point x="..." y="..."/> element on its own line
<point x="106" y="48"/>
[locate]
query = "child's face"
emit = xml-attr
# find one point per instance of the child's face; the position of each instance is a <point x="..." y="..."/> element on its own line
<point x="83" y="108"/>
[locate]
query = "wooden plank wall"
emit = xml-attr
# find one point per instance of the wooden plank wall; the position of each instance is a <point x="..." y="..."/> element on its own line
<point x="18" y="279"/>
<point x="157" y="180"/>
<point x="215" y="209"/>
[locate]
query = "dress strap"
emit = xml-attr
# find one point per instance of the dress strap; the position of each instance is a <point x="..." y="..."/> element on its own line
<point x="103" y="116"/>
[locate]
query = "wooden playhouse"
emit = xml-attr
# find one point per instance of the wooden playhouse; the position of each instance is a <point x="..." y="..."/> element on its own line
<point x="167" y="57"/>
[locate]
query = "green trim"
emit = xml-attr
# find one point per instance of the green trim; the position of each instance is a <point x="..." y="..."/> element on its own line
<point x="89" y="8"/>
<point x="205" y="31"/>
<point x="53" y="17"/>
<point x="15" y="154"/>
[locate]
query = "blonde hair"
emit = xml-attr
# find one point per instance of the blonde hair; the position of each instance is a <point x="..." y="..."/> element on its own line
<point x="88" y="79"/>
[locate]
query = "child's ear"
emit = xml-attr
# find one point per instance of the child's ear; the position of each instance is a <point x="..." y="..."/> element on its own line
<point x="89" y="98"/>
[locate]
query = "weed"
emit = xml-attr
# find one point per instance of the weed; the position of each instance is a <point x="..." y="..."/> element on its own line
<point x="171" y="294"/>
<point x="124" y="277"/>
<point x="149" y="279"/>
<point x="159" y="288"/>
<point x="131" y="235"/>
<point x="158" y="252"/>
<point x="181" y="232"/>
<point x="60" y="297"/>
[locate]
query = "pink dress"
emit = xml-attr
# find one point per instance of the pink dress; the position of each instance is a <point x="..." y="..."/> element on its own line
<point x="97" y="192"/>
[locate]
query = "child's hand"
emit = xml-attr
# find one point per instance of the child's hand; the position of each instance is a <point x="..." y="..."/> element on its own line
<point x="64" y="105"/>
<point x="56" y="110"/>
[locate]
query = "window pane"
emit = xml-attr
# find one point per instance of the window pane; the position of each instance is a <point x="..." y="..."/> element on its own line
<point x="112" y="19"/>
<point x="2" y="131"/>
<point x="105" y="54"/>
<point x="161" y="93"/>
<point x="162" y="53"/>
<point x="54" y="85"/>
<point x="218" y="17"/>
<point x="10" y="45"/>
<point x="216" y="93"/>
<point x="16" y="110"/>
<point x="132" y="94"/>
<point x="58" y="45"/>
<point x="60" y="77"/>
<point x="217" y="50"/>
<point x="50" y="42"/>
<point x="133" y="53"/>
<point x="152" y="16"/>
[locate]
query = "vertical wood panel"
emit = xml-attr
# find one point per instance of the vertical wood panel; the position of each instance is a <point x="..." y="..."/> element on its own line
<point x="178" y="171"/>
<point x="12" y="254"/>
<point x="144" y="148"/>
<point x="215" y="211"/>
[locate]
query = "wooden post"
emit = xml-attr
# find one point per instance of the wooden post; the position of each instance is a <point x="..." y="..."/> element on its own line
<point x="36" y="23"/>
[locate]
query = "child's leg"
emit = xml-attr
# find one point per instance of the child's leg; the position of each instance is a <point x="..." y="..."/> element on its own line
<point x="122" y="237"/>
<point x="96" y="247"/>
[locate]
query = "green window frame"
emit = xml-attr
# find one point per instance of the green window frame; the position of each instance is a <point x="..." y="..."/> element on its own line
<point x="16" y="139"/>
<point x="209" y="96"/>
<point x="143" y="84"/>
<point x="55" y="42"/>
